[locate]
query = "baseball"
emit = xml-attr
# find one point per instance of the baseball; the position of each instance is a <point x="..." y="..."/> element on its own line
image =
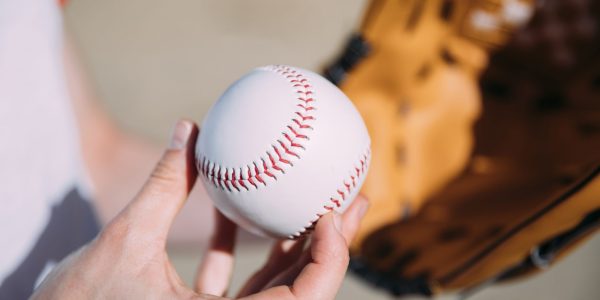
<point x="279" y="149"/>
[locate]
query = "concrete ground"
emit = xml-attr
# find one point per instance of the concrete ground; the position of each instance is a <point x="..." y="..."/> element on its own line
<point x="155" y="61"/>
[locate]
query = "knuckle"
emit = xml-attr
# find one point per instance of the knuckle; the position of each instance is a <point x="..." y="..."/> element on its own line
<point x="121" y="235"/>
<point x="344" y="257"/>
<point x="338" y="254"/>
<point x="113" y="233"/>
<point x="164" y="171"/>
<point x="284" y="292"/>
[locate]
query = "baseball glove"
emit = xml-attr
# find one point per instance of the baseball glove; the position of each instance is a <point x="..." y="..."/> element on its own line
<point x="485" y="130"/>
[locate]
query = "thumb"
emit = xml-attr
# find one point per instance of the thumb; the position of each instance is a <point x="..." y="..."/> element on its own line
<point x="322" y="277"/>
<point x="153" y="210"/>
<point x="320" y="272"/>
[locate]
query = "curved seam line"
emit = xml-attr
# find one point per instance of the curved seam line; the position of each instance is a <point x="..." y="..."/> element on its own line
<point x="284" y="148"/>
<point x="348" y="185"/>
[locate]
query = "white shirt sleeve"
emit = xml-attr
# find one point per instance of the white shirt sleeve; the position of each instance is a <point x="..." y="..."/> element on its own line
<point x="39" y="149"/>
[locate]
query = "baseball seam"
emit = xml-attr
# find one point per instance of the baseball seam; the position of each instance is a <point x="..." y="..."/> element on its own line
<point x="342" y="193"/>
<point x="284" y="149"/>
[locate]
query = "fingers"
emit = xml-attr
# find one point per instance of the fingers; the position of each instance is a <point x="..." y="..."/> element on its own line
<point x="322" y="277"/>
<point x="352" y="217"/>
<point x="152" y="211"/>
<point x="296" y="275"/>
<point x="319" y="272"/>
<point x="214" y="272"/>
<point x="283" y="255"/>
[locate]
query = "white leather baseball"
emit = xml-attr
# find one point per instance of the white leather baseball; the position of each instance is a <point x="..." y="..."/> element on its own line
<point x="280" y="148"/>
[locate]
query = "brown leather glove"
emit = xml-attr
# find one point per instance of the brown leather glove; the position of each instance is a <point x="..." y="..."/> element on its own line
<point x="481" y="196"/>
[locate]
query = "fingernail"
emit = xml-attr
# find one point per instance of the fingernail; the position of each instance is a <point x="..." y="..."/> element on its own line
<point x="363" y="206"/>
<point x="337" y="221"/>
<point x="180" y="135"/>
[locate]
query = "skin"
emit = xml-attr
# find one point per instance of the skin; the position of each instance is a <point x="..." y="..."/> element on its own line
<point x="118" y="162"/>
<point x="128" y="258"/>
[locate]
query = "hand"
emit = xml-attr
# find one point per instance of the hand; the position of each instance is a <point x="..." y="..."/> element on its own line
<point x="128" y="258"/>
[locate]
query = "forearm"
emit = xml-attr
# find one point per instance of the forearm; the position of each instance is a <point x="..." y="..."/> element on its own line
<point x="118" y="163"/>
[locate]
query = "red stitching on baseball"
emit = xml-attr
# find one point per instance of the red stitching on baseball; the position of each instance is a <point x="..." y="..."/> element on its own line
<point x="296" y="134"/>
<point x="292" y="143"/>
<point x="302" y="126"/>
<point x="251" y="180"/>
<point x="260" y="179"/>
<point x="267" y="170"/>
<point x="241" y="182"/>
<point x="305" y="117"/>
<point x="294" y="137"/>
<point x="306" y="107"/>
<point x="258" y="175"/>
<point x="281" y="159"/>
<point x="234" y="177"/>
<point x="274" y="164"/>
<point x="306" y="101"/>
<point x="234" y="184"/>
<point x="333" y="202"/>
<point x="342" y="194"/>
<point x="336" y="202"/>
<point x="287" y="150"/>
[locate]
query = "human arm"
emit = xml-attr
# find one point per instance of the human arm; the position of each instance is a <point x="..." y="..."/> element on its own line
<point x="128" y="258"/>
<point x="117" y="161"/>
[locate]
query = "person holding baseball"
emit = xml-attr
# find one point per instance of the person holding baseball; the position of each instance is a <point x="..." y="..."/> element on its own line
<point x="75" y="223"/>
<point x="128" y="258"/>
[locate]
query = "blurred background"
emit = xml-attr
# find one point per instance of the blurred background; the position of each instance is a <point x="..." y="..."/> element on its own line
<point x="153" y="62"/>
